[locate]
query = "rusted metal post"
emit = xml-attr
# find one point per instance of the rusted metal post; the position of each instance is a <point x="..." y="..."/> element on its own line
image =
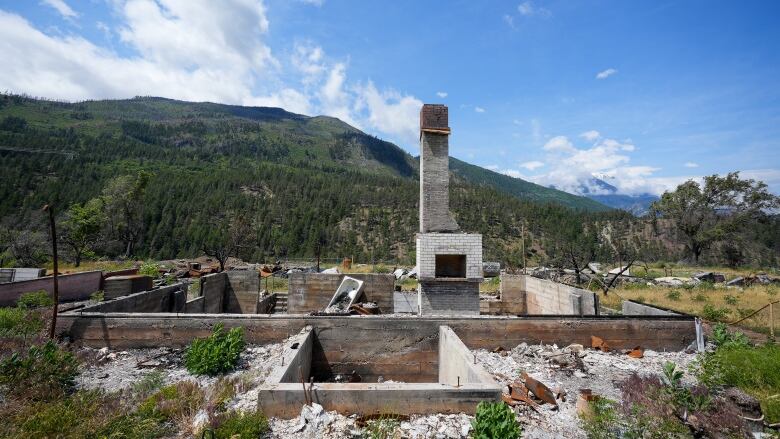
<point x="53" y="328"/>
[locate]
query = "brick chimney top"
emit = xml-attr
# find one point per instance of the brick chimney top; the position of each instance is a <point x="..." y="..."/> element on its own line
<point x="434" y="119"/>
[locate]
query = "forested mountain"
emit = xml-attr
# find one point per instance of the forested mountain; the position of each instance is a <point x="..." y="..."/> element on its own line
<point x="303" y="182"/>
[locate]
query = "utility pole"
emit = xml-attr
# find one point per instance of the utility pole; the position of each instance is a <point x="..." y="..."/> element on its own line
<point x="522" y="234"/>
<point x="50" y="209"/>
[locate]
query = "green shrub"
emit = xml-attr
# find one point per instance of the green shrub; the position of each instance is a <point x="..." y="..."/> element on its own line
<point x="699" y="297"/>
<point x="673" y="295"/>
<point x="495" y="420"/>
<point x="97" y="296"/>
<point x="722" y="337"/>
<point x="35" y="299"/>
<point x="713" y="314"/>
<point x="603" y="421"/>
<point x="706" y="286"/>
<point x="150" y="268"/>
<point x="239" y="425"/>
<point x="731" y="300"/>
<point x="215" y="354"/>
<point x="46" y="372"/>
<point x="19" y="322"/>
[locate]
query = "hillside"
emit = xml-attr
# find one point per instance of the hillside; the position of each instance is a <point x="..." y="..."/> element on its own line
<point x="302" y="180"/>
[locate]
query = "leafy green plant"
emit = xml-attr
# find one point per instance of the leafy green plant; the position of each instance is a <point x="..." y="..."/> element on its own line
<point x="706" y="286"/>
<point x="97" y="296"/>
<point x="175" y="402"/>
<point x="382" y="428"/>
<point x="217" y="353"/>
<point x="150" y="268"/>
<point x="722" y="337"/>
<point x="19" y="322"/>
<point x="731" y="300"/>
<point x="495" y="420"/>
<point x="35" y="299"/>
<point x="45" y="372"/>
<point x="603" y="421"/>
<point x="714" y="314"/>
<point x="673" y="295"/>
<point x="240" y="425"/>
<point x="699" y="297"/>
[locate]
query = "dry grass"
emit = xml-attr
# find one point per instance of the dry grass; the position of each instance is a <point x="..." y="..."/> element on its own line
<point x="66" y="267"/>
<point x="706" y="300"/>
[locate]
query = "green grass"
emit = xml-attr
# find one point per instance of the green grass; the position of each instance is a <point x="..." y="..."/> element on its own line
<point x="756" y="370"/>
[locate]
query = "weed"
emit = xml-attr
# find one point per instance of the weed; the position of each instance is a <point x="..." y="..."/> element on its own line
<point x="699" y="297"/>
<point x="239" y="425"/>
<point x="97" y="296"/>
<point x="46" y="372"/>
<point x="35" y="299"/>
<point x="150" y="268"/>
<point x="714" y="314"/>
<point x="221" y="392"/>
<point x="382" y="428"/>
<point x="731" y="300"/>
<point x="722" y="337"/>
<point x="771" y="290"/>
<point x="604" y="420"/>
<point x="706" y="286"/>
<point x="641" y="299"/>
<point x="19" y="322"/>
<point x="673" y="295"/>
<point x="148" y="384"/>
<point x="495" y="420"/>
<point x="217" y="353"/>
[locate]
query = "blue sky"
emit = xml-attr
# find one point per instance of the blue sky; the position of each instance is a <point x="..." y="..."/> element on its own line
<point x="642" y="94"/>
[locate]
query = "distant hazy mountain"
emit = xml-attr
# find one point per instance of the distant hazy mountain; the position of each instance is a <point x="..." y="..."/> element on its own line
<point x="605" y="193"/>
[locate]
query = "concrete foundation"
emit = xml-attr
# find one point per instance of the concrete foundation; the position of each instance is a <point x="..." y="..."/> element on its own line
<point x="631" y="308"/>
<point x="449" y="382"/>
<point x="311" y="292"/>
<point x="76" y="286"/>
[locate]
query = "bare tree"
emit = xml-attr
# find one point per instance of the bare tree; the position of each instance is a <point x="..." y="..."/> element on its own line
<point x="230" y="234"/>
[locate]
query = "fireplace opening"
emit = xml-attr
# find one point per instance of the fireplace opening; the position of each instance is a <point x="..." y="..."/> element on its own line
<point x="451" y="266"/>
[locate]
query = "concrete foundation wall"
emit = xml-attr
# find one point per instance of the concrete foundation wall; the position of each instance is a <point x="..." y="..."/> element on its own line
<point x="296" y="363"/>
<point x="309" y="292"/>
<point x="212" y="288"/>
<point x="160" y="300"/>
<point x="404" y="302"/>
<point x="487" y="332"/>
<point x="195" y="306"/>
<point x="547" y="297"/>
<point x="448" y="297"/>
<point x="456" y="362"/>
<point x="631" y="308"/>
<point x="76" y="286"/>
<point x="512" y="298"/>
<point x="242" y="291"/>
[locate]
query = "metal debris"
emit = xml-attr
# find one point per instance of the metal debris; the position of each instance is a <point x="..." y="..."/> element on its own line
<point x="539" y="390"/>
<point x="598" y="343"/>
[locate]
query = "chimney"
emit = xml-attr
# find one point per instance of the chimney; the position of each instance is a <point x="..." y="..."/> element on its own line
<point x="434" y="171"/>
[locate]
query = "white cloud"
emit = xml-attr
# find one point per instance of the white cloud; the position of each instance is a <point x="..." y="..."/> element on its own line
<point x="479" y="109"/>
<point x="591" y="135"/>
<point x="441" y="94"/>
<point x="606" y="73"/>
<point x="198" y="51"/>
<point x="532" y="165"/>
<point x="62" y="8"/>
<point x="573" y="169"/>
<point x="491" y="167"/>
<point x="528" y="8"/>
<point x="691" y="165"/>
<point x="558" y="143"/>
<point x="313" y="2"/>
<point x="769" y="176"/>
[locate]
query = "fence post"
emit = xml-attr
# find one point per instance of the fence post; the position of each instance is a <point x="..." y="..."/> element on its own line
<point x="771" y="320"/>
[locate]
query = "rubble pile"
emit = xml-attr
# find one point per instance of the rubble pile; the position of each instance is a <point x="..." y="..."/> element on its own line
<point x="565" y="372"/>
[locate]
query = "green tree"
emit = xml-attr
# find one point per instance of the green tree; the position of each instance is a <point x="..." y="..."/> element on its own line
<point x="81" y="228"/>
<point x="231" y="233"/>
<point x="721" y="208"/>
<point x="124" y="208"/>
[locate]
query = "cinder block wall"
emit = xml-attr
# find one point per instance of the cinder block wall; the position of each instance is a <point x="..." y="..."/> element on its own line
<point x="165" y="299"/>
<point x="76" y="286"/>
<point x="448" y="298"/>
<point x="431" y="244"/>
<point x="212" y="288"/>
<point x="242" y="291"/>
<point x="309" y="292"/>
